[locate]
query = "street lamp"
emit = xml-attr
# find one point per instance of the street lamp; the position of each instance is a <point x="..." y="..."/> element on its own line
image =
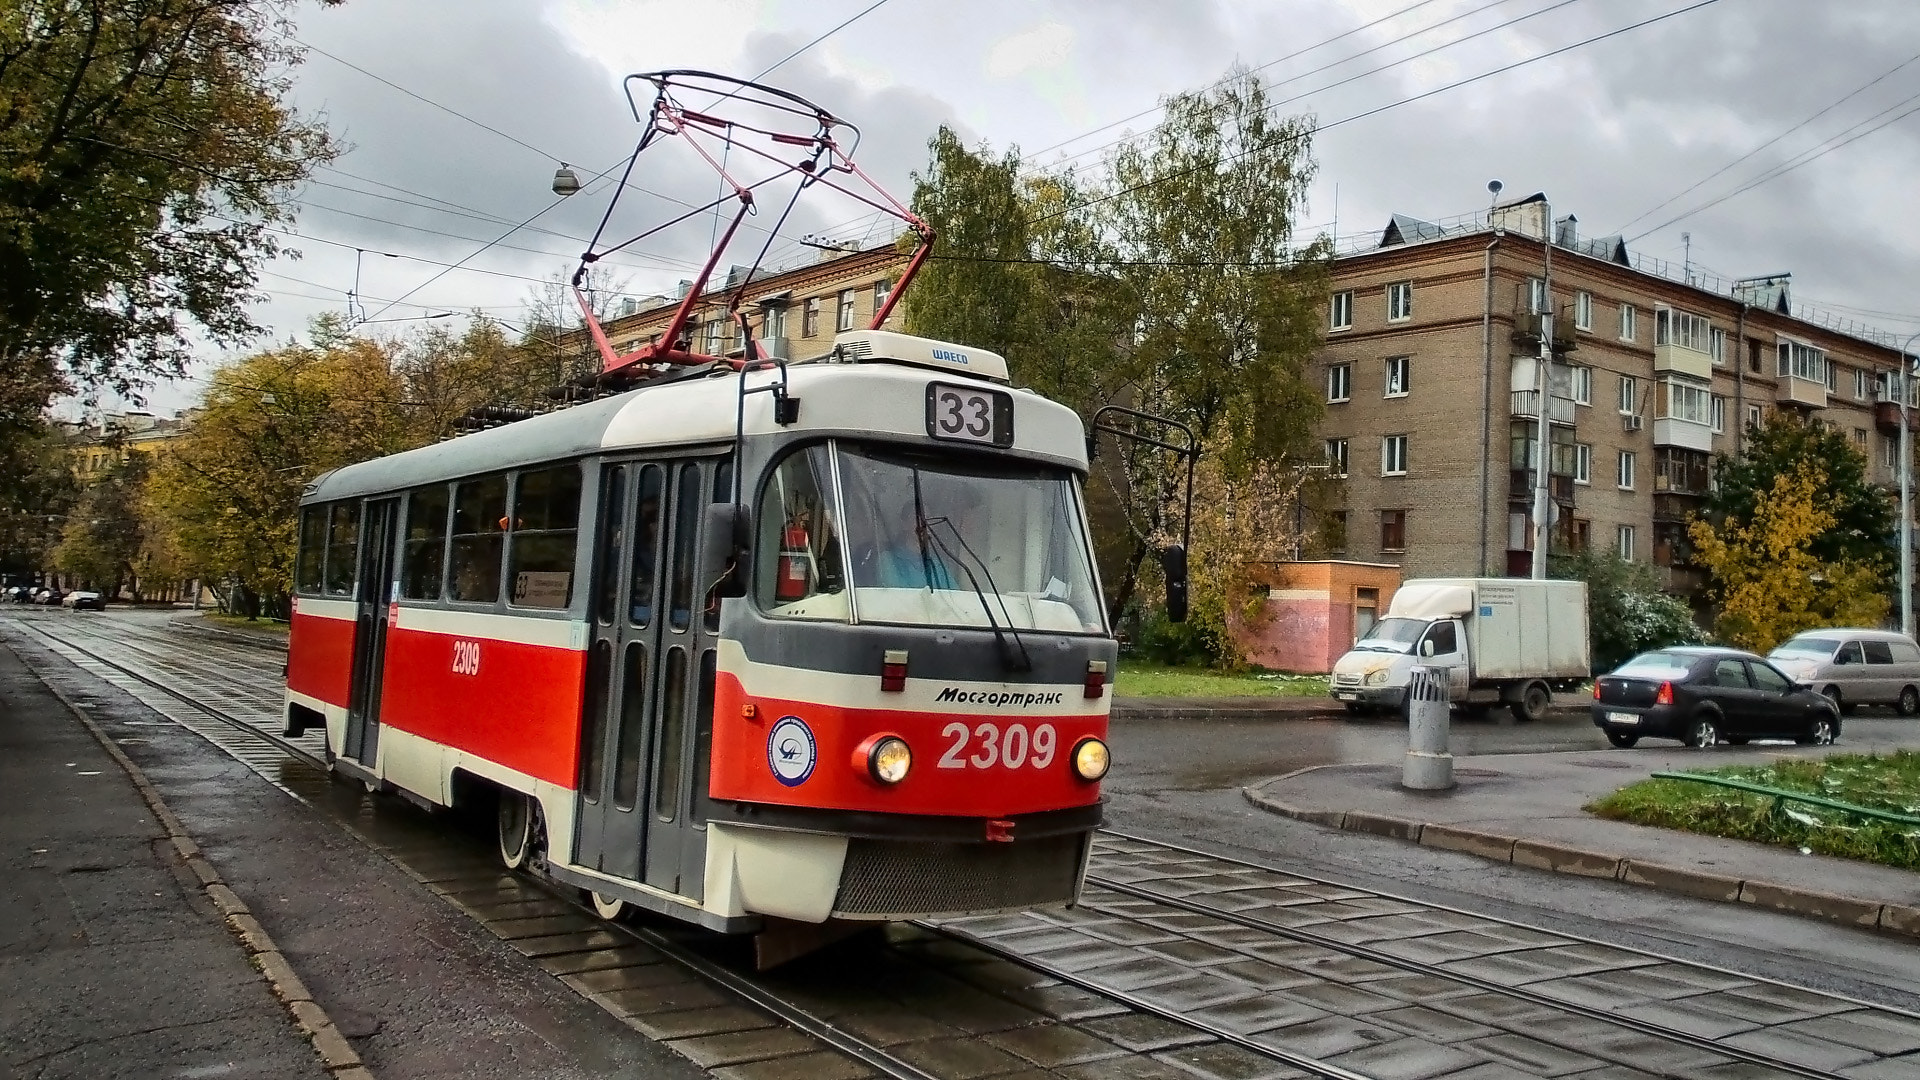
<point x="1907" y="371"/>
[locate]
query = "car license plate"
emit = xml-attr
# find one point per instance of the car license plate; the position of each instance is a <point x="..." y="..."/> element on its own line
<point x="1347" y="697"/>
<point x="1622" y="718"/>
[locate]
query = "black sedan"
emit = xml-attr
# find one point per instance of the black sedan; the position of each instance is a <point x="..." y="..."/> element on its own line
<point x="1704" y="696"/>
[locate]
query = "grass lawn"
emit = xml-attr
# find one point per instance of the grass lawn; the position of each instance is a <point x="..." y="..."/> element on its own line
<point x="1141" y="679"/>
<point x="240" y="622"/>
<point x="1880" y="781"/>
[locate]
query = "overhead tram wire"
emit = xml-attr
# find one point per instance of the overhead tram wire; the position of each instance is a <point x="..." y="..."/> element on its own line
<point x="622" y="160"/>
<point x="1390" y="65"/>
<point x="1742" y="159"/>
<point x="1845" y="138"/>
<point x="1408" y="100"/>
<point x="1389" y="17"/>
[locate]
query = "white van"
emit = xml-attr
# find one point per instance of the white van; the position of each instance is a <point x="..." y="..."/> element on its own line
<point x="1855" y="667"/>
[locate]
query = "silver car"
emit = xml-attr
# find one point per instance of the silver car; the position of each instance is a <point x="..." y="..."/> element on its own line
<point x="1855" y="667"/>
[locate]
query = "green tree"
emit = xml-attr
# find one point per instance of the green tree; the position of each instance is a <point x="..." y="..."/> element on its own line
<point x="1627" y="614"/>
<point x="104" y="535"/>
<point x="146" y="152"/>
<point x="1863" y="516"/>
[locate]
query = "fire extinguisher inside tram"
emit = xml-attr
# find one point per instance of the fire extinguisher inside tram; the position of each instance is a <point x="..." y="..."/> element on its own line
<point x="795" y="574"/>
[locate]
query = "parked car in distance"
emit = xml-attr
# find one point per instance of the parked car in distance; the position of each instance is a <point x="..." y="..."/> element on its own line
<point x="81" y="600"/>
<point x="1702" y="695"/>
<point x="48" y="597"/>
<point x="1855" y="667"/>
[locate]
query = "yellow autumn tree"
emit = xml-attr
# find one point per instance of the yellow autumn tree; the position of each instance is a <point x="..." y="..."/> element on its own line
<point x="1770" y="583"/>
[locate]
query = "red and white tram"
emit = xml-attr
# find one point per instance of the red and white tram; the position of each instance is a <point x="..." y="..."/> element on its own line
<point x="820" y="641"/>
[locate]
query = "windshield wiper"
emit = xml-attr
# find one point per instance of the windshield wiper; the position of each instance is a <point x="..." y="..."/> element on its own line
<point x="1025" y="661"/>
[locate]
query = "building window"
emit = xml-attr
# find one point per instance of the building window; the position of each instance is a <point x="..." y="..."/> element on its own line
<point x="1623" y="541"/>
<point x="1536" y="296"/>
<point x="881" y="290"/>
<point x="1337" y="532"/>
<point x="1860" y="440"/>
<point x="1583" y="310"/>
<point x="1755" y="416"/>
<point x="1583" y="386"/>
<point x="1393" y="455"/>
<point x="1719" y="343"/>
<point x="1399" y="376"/>
<point x="773" y="322"/>
<point x="1339" y="382"/>
<point x="1582" y="463"/>
<point x="1890" y="451"/>
<point x="1718" y="411"/>
<point x="1337" y="457"/>
<point x="843" y="318"/>
<point x="1341" y="317"/>
<point x="1800" y="361"/>
<point x="1862" y="384"/>
<point x="1400" y="301"/>
<point x="1393" y="530"/>
<point x="1626" y="470"/>
<point x="1684" y="401"/>
<point x="1683" y="329"/>
<point x="1628" y="318"/>
<point x="1629" y="395"/>
<point x="810" y="318"/>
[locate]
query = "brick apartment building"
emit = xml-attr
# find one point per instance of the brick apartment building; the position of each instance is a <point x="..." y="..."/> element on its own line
<point x="1430" y="368"/>
<point x="795" y="312"/>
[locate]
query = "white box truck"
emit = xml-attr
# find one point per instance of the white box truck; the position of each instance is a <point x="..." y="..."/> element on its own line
<point x="1504" y="641"/>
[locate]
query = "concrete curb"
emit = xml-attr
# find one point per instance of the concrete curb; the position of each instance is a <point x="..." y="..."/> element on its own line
<point x="337" y="1056"/>
<point x="1899" y="919"/>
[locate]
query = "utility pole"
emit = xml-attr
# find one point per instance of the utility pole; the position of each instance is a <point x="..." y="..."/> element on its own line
<point x="1904" y="387"/>
<point x="1543" y="462"/>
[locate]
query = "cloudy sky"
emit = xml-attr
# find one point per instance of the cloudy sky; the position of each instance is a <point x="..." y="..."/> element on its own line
<point x="1719" y="97"/>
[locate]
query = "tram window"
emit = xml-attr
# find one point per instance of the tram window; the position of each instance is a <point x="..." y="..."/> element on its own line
<point x="722" y="584"/>
<point x="633" y="729"/>
<point x="687" y="510"/>
<point x="593" y="722"/>
<point x="479" y="518"/>
<point x="613" y="524"/>
<point x="703" y="736"/>
<point x="426" y="554"/>
<point x="798" y="550"/>
<point x="343" y="548"/>
<point x="646" y="545"/>
<point x="673" y="727"/>
<point x="313" y="550"/>
<point x="546" y="527"/>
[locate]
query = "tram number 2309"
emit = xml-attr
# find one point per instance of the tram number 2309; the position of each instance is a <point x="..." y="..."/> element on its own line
<point x="991" y="745"/>
<point x="466" y="658"/>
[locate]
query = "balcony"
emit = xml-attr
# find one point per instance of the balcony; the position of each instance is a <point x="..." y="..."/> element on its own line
<point x="1526" y="405"/>
<point x="1886" y="417"/>
<point x="1682" y="580"/>
<point x="1805" y="393"/>
<point x="1669" y="431"/>
<point x="1520" y="487"/>
<point x="1674" y="507"/>
<point x="1681" y="360"/>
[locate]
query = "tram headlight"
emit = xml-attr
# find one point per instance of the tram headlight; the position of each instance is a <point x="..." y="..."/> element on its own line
<point x="889" y="760"/>
<point x="1090" y="759"/>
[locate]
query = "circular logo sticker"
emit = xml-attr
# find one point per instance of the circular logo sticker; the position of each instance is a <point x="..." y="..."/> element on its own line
<point x="791" y="751"/>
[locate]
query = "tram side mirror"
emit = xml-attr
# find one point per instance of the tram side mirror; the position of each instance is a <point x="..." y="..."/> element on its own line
<point x="722" y="541"/>
<point x="1173" y="567"/>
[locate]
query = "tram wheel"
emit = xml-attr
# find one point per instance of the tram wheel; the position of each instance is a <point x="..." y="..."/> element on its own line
<point x="610" y="908"/>
<point x="516" y="829"/>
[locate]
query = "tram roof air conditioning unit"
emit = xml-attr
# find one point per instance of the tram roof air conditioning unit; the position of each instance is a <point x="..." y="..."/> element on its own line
<point x="885" y="346"/>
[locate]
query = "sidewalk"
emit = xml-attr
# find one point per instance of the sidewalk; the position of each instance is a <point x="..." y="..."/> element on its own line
<point x="113" y="961"/>
<point x="1526" y="809"/>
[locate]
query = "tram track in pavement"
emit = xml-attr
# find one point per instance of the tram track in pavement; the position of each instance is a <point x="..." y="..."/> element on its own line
<point x="1177" y="959"/>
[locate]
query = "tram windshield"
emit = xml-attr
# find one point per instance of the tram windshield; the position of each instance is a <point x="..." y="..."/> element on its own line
<point x="924" y="541"/>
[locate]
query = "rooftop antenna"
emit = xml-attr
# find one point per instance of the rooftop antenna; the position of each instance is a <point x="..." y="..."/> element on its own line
<point x="1686" y="256"/>
<point x="1493" y="193"/>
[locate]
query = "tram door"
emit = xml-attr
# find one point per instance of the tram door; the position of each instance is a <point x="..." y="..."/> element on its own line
<point x="644" y="736"/>
<point x="371" y="597"/>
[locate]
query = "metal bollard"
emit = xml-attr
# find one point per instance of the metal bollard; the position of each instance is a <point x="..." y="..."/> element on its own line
<point x="1429" y="767"/>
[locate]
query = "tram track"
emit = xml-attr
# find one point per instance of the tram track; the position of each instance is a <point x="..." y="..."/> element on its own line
<point x="1325" y="980"/>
